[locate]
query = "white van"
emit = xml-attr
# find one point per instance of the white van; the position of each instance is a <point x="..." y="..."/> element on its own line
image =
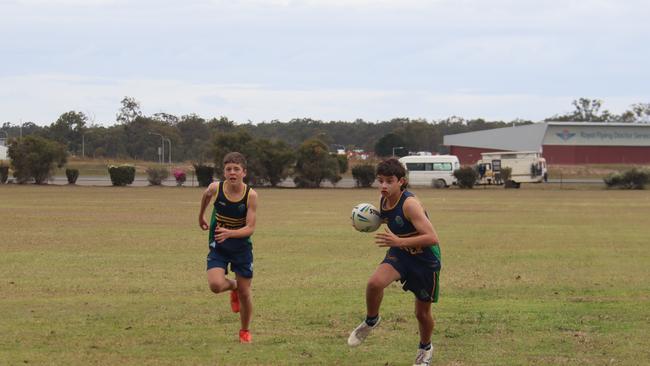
<point x="431" y="170"/>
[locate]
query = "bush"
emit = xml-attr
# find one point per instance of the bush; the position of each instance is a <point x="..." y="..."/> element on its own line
<point x="343" y="163"/>
<point x="156" y="175"/>
<point x="121" y="175"/>
<point x="35" y="157"/>
<point x="204" y="174"/>
<point x="72" y="175"/>
<point x="4" y="174"/>
<point x="314" y="164"/>
<point x="505" y="174"/>
<point x="180" y="176"/>
<point x="466" y="176"/>
<point x="364" y="175"/>
<point x="630" y="179"/>
<point x="613" y="180"/>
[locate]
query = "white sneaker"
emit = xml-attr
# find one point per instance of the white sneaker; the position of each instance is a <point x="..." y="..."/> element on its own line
<point x="423" y="357"/>
<point x="360" y="333"/>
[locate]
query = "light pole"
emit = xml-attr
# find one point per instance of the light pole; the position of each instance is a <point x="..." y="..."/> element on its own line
<point x="169" y="141"/>
<point x="162" y="152"/>
<point x="83" y="144"/>
<point x="397" y="147"/>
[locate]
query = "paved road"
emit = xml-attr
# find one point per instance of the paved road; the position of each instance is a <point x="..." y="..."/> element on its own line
<point x="344" y="183"/>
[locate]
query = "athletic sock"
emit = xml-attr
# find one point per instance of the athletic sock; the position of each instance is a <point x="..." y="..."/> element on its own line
<point x="425" y="347"/>
<point x="371" y="321"/>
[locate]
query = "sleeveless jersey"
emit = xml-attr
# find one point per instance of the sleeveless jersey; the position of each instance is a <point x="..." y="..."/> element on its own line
<point x="231" y="215"/>
<point x="399" y="225"/>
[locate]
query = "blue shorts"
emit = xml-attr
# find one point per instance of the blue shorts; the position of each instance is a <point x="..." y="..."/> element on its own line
<point x="419" y="273"/>
<point x="241" y="262"/>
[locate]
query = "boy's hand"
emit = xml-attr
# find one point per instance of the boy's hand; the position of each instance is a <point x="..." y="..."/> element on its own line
<point x="204" y="225"/>
<point x="222" y="234"/>
<point x="387" y="239"/>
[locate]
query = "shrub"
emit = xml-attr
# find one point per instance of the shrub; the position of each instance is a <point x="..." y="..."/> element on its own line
<point x="343" y="163"/>
<point x="35" y="157"/>
<point x="121" y="175"/>
<point x="364" y="175"/>
<point x="466" y="176"/>
<point x="636" y="178"/>
<point x="156" y="175"/>
<point x="72" y="175"/>
<point x="204" y="174"/>
<point x="630" y="179"/>
<point x="180" y="176"/>
<point x="506" y="174"/>
<point x="4" y="174"/>
<point x="613" y="180"/>
<point x="314" y="164"/>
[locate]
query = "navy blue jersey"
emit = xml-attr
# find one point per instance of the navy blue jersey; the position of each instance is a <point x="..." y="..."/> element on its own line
<point x="401" y="226"/>
<point x="230" y="215"/>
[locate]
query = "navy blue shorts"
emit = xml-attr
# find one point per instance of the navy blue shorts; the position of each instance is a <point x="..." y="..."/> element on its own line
<point x="419" y="273"/>
<point x="241" y="262"/>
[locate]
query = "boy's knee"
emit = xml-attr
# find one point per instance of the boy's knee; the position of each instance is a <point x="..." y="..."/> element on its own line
<point x="218" y="287"/>
<point x="244" y="294"/>
<point x="375" y="284"/>
<point x="423" y="315"/>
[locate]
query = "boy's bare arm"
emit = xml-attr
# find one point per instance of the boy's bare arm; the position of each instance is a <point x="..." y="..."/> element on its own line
<point x="426" y="233"/>
<point x="205" y="200"/>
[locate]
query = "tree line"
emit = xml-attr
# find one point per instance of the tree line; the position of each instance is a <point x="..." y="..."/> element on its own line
<point x="192" y="138"/>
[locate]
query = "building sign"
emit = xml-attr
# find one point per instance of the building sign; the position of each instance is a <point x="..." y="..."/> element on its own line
<point x="597" y="135"/>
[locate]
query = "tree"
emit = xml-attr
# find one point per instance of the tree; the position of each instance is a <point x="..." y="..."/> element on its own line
<point x="315" y="164"/>
<point x="35" y="157"/>
<point x="129" y="111"/>
<point x="242" y="142"/>
<point x="641" y="112"/>
<point x="275" y="159"/>
<point x="586" y="110"/>
<point x="68" y="130"/>
<point x="388" y="143"/>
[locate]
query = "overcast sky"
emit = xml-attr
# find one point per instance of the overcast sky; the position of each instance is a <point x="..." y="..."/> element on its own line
<point x="261" y="60"/>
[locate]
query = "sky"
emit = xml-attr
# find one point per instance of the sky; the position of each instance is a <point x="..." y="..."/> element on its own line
<point x="263" y="60"/>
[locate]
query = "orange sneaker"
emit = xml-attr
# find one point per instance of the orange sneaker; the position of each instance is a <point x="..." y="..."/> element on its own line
<point x="234" y="301"/>
<point x="245" y="336"/>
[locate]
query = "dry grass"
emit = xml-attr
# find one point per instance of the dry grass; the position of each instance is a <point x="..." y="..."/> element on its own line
<point x="109" y="275"/>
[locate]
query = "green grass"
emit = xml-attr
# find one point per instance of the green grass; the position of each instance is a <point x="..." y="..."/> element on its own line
<point x="103" y="275"/>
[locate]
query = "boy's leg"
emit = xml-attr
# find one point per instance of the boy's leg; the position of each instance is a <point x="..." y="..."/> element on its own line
<point x="425" y="320"/>
<point x="245" y="300"/>
<point x="384" y="275"/>
<point x="218" y="281"/>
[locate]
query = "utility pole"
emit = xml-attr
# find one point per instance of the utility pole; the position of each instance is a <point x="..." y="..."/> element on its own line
<point x="170" y="150"/>
<point x="162" y="152"/>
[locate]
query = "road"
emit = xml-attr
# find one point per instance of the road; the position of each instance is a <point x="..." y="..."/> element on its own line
<point x="344" y="183"/>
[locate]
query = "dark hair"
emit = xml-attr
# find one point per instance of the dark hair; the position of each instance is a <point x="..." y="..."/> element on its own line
<point x="390" y="167"/>
<point x="235" y="158"/>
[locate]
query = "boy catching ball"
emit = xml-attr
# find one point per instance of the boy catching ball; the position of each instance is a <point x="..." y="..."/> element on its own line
<point x="413" y="258"/>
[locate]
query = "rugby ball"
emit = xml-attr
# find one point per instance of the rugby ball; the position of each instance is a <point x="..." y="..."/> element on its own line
<point x="365" y="217"/>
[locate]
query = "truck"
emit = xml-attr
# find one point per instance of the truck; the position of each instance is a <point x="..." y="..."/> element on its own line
<point x="435" y="171"/>
<point x="526" y="166"/>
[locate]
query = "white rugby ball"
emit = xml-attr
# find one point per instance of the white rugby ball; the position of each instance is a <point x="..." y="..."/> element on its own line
<point x="365" y="217"/>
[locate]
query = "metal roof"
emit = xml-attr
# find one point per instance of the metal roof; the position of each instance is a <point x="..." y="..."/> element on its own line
<point x="528" y="137"/>
<point x="519" y="138"/>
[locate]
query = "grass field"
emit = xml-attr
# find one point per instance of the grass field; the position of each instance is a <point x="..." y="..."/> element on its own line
<point x="103" y="275"/>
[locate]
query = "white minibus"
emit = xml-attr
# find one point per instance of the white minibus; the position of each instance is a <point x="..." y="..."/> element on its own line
<point x="431" y="170"/>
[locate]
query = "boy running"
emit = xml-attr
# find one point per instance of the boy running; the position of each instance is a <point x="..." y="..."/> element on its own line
<point x="231" y="225"/>
<point x="413" y="258"/>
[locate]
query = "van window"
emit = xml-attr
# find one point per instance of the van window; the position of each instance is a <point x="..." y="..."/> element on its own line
<point x="442" y="166"/>
<point x="414" y="166"/>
